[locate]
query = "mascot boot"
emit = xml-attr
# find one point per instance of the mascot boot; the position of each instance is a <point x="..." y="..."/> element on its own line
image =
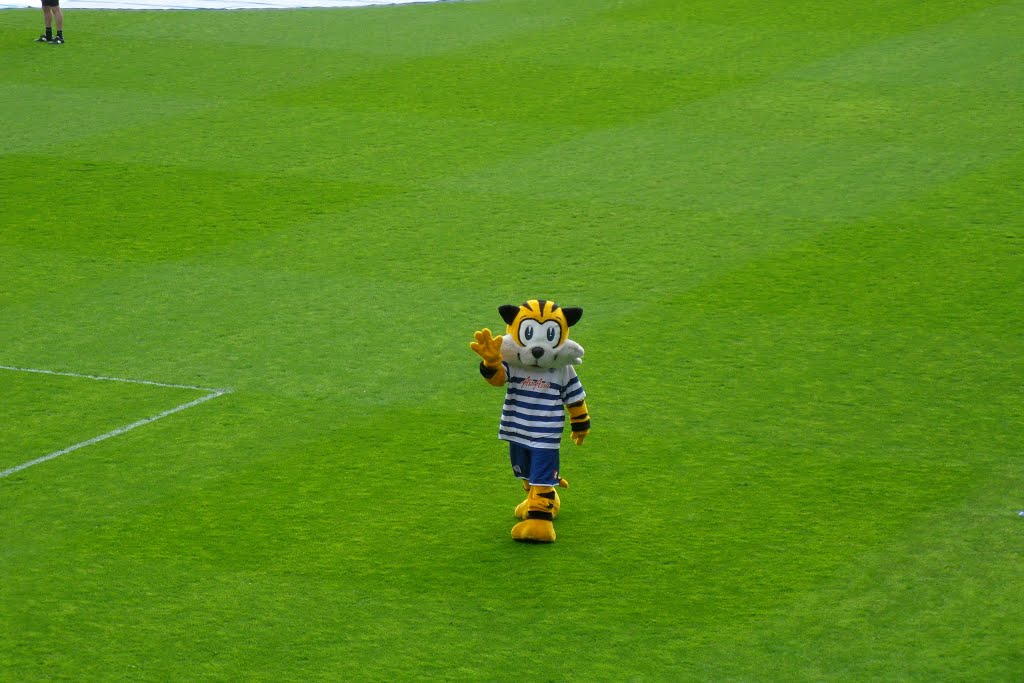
<point x="540" y="510"/>
<point x="524" y="507"/>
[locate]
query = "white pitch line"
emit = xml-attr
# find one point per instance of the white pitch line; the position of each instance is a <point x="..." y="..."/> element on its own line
<point x="110" y="379"/>
<point x="214" y="393"/>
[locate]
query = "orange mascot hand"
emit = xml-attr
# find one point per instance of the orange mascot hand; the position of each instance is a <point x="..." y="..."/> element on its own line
<point x="487" y="347"/>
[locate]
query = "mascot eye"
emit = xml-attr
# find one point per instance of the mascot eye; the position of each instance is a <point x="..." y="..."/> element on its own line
<point x="528" y="330"/>
<point x="552" y="331"/>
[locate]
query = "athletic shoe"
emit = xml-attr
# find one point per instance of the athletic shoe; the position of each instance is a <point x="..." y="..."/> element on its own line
<point x="59" y="40"/>
<point x="44" y="39"/>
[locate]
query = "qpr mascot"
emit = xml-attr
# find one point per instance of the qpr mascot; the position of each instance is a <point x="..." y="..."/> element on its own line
<point x="535" y="361"/>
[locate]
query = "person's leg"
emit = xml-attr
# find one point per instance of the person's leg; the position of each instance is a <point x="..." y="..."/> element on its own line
<point x="544" y="463"/>
<point x="519" y="458"/>
<point x="547" y="461"/>
<point x="58" y="19"/>
<point x="542" y="501"/>
<point x="523" y="507"/>
<point x="47" y="24"/>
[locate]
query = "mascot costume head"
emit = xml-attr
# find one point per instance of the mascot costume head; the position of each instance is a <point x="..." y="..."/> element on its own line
<point x="535" y="361"/>
<point x="538" y="334"/>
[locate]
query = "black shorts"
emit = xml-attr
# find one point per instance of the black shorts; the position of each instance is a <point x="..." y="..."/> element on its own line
<point x="51" y="3"/>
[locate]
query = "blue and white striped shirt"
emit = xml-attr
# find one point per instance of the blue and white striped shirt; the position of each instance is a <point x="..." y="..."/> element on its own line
<point x="534" y="414"/>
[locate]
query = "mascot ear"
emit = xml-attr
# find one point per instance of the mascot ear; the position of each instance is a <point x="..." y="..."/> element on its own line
<point x="508" y="313"/>
<point x="572" y="315"/>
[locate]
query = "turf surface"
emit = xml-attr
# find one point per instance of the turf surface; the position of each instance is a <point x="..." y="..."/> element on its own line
<point x="795" y="229"/>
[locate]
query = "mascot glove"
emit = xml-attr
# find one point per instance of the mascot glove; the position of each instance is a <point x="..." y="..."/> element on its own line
<point x="577" y="437"/>
<point x="487" y="347"/>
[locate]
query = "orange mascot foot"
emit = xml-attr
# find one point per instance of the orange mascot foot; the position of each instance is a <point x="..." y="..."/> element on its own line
<point x="540" y="510"/>
<point x="524" y="507"/>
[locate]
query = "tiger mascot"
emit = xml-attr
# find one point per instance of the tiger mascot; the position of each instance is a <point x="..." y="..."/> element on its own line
<point x="534" y="359"/>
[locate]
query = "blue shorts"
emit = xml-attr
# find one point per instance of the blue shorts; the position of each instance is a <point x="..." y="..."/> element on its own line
<point x="538" y="466"/>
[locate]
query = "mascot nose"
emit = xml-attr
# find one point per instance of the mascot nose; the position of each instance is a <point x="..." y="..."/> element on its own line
<point x="537" y="351"/>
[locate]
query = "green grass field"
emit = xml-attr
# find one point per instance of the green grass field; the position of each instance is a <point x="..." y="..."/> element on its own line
<point x="795" y="228"/>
